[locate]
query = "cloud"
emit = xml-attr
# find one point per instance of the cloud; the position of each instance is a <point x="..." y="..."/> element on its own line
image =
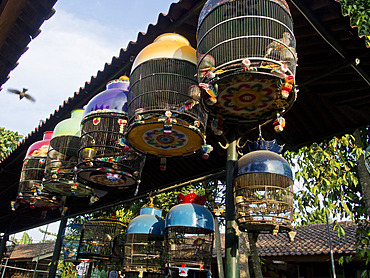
<point x="74" y="44"/>
<point x="59" y="61"/>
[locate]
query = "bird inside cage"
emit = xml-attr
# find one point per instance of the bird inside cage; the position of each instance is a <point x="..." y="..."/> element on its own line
<point x="279" y="47"/>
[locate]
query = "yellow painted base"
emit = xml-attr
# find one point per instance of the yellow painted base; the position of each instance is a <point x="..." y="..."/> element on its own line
<point x="148" y="137"/>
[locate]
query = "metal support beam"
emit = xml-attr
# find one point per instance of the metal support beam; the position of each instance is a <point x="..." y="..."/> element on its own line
<point x="164" y="189"/>
<point x="231" y="239"/>
<point x="57" y="248"/>
<point x="328" y="36"/>
<point x="3" y="245"/>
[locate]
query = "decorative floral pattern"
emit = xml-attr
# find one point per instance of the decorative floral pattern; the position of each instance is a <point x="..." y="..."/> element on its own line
<point x="248" y="98"/>
<point x="156" y="138"/>
<point x="96" y="121"/>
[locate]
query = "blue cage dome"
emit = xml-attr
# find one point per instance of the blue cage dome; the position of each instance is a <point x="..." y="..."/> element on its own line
<point x="190" y="215"/>
<point x="113" y="99"/>
<point x="148" y="222"/>
<point x="263" y="161"/>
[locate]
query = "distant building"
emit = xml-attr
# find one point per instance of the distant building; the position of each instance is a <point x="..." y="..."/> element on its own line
<point x="308" y="255"/>
<point x="24" y="258"/>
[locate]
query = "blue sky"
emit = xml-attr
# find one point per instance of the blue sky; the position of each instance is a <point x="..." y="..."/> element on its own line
<point x="73" y="46"/>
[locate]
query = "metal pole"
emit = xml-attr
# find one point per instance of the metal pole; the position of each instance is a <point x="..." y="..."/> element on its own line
<point x="3" y="245"/>
<point x="58" y="246"/>
<point x="331" y="249"/>
<point x="4" y="268"/>
<point x="231" y="240"/>
<point x="38" y="257"/>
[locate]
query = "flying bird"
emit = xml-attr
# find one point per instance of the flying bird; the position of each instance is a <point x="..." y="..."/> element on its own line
<point x="22" y="94"/>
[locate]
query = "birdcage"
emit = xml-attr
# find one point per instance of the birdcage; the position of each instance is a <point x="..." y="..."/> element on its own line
<point x="30" y="191"/>
<point x="165" y="119"/>
<point x="60" y="176"/>
<point x="105" y="160"/>
<point x="246" y="59"/>
<point x="144" y="243"/>
<point x="263" y="190"/>
<point x="102" y="239"/>
<point x="189" y="236"/>
<point x="70" y="241"/>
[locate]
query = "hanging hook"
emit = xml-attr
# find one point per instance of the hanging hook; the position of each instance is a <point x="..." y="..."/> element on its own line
<point x="227" y="142"/>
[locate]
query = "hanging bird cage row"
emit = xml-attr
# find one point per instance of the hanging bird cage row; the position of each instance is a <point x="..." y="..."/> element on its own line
<point x="182" y="244"/>
<point x="102" y="240"/>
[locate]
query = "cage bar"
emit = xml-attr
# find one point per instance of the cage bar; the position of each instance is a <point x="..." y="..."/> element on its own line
<point x="189" y="239"/>
<point x="102" y="240"/>
<point x="246" y="58"/>
<point x="70" y="241"/>
<point x="30" y="191"/>
<point x="164" y="115"/>
<point x="263" y="189"/>
<point x="105" y="159"/>
<point x="144" y="244"/>
<point x="60" y="174"/>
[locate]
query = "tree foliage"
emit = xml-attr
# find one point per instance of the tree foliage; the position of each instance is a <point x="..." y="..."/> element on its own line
<point x="359" y="11"/>
<point x="66" y="270"/>
<point x="327" y="179"/>
<point x="25" y="239"/>
<point x="8" y="141"/>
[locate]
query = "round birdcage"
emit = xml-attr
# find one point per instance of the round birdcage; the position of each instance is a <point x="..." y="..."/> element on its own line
<point x="189" y="238"/>
<point x="105" y="160"/>
<point x="246" y="53"/>
<point x="263" y="189"/>
<point x="31" y="191"/>
<point x="60" y="176"/>
<point x="144" y="243"/>
<point x="70" y="241"/>
<point x="165" y="118"/>
<point x="102" y="239"/>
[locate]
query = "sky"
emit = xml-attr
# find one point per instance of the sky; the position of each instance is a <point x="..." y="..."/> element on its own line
<point x="74" y="44"/>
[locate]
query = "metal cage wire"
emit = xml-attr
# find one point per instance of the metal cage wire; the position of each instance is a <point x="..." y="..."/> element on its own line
<point x="259" y="30"/>
<point x="70" y="242"/>
<point x="102" y="151"/>
<point x="102" y="240"/>
<point x="189" y="247"/>
<point x="30" y="190"/>
<point x="246" y="60"/>
<point x="144" y="252"/>
<point x="162" y="85"/>
<point x="60" y="167"/>
<point x="264" y="202"/>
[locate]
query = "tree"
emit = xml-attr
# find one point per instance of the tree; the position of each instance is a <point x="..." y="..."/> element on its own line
<point x="332" y="179"/>
<point x="8" y="141"/>
<point x="328" y="177"/>
<point x="359" y="11"/>
<point x="48" y="234"/>
<point x="25" y="239"/>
